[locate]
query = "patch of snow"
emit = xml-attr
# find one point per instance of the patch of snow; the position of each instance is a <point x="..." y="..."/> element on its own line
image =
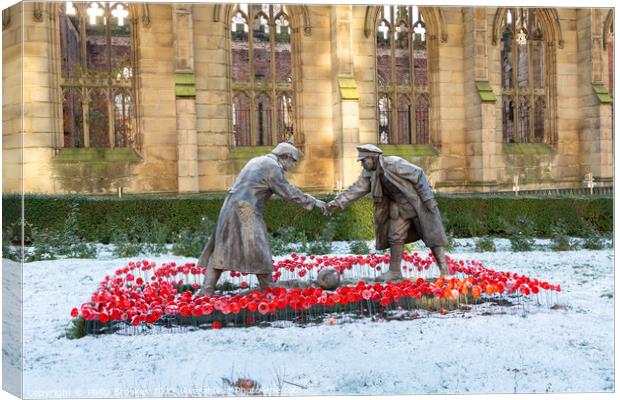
<point x="528" y="349"/>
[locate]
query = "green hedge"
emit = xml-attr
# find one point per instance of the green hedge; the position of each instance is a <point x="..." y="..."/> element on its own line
<point x="463" y="215"/>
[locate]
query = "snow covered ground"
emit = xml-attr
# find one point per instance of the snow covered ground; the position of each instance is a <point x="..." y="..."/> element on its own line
<point x="567" y="348"/>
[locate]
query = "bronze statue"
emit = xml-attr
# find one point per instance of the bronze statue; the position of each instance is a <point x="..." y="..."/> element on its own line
<point x="405" y="209"/>
<point x="239" y="241"/>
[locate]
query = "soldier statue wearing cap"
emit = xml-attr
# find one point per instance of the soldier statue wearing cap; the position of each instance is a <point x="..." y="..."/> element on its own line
<point x="404" y="207"/>
<point x="239" y="241"/>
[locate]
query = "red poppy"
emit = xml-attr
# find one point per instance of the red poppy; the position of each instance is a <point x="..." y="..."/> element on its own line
<point x="206" y="309"/>
<point x="216" y="325"/>
<point x="235" y="308"/>
<point x="116" y="315"/>
<point x="185" y="311"/>
<point x="86" y="313"/>
<point x="263" y="308"/>
<point x="74" y="312"/>
<point x="197" y="311"/>
<point x="104" y="317"/>
<point x="243" y="284"/>
<point x="252" y="306"/>
<point x="157" y="313"/>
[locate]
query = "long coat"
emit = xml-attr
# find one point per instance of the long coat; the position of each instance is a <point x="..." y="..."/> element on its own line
<point x="412" y="183"/>
<point x="239" y="241"/>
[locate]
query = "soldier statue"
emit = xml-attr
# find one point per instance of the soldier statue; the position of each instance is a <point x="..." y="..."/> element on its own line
<point x="405" y="209"/>
<point x="239" y="241"/>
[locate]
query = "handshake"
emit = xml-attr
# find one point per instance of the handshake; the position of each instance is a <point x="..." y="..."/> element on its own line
<point x="326" y="208"/>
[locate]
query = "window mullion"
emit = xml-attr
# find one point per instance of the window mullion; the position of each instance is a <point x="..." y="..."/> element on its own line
<point x="412" y="102"/>
<point x="532" y="104"/>
<point x="82" y="78"/>
<point x="253" y="133"/>
<point x="515" y="87"/>
<point x="394" y="86"/>
<point x="108" y="42"/>
<point x="274" y="100"/>
<point x="136" y="131"/>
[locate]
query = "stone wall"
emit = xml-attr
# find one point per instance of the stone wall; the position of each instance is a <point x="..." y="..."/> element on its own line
<point x="314" y="109"/>
<point x="557" y="163"/>
<point x="448" y="108"/>
<point x="594" y="144"/>
<point x="157" y="172"/>
<point x="218" y="162"/>
<point x="12" y="69"/>
<point x="186" y="141"/>
<point x="47" y="167"/>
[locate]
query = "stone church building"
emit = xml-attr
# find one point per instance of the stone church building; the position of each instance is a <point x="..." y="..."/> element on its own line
<point x="176" y="98"/>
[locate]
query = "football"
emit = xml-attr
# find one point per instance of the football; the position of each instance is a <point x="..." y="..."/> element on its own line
<point x="328" y="278"/>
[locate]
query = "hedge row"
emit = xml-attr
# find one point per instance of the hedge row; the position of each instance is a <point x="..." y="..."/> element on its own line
<point x="463" y="215"/>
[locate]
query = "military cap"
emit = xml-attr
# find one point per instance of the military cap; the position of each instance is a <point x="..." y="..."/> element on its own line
<point x="368" y="150"/>
<point x="286" y="149"/>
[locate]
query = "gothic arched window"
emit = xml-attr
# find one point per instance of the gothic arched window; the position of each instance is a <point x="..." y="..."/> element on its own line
<point x="262" y="75"/>
<point x="523" y="77"/>
<point x="402" y="76"/>
<point x="97" y="79"/>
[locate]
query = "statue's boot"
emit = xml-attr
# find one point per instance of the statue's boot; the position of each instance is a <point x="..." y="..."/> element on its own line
<point x="394" y="274"/>
<point x="208" y="287"/>
<point x="440" y="256"/>
<point x="265" y="281"/>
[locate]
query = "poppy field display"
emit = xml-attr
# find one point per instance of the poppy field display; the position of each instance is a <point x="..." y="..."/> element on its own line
<point x="141" y="293"/>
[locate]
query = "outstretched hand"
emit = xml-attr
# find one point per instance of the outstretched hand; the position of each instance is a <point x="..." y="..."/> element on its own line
<point x="330" y="208"/>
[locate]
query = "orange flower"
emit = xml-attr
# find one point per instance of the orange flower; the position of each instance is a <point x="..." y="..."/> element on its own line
<point x="476" y="291"/>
